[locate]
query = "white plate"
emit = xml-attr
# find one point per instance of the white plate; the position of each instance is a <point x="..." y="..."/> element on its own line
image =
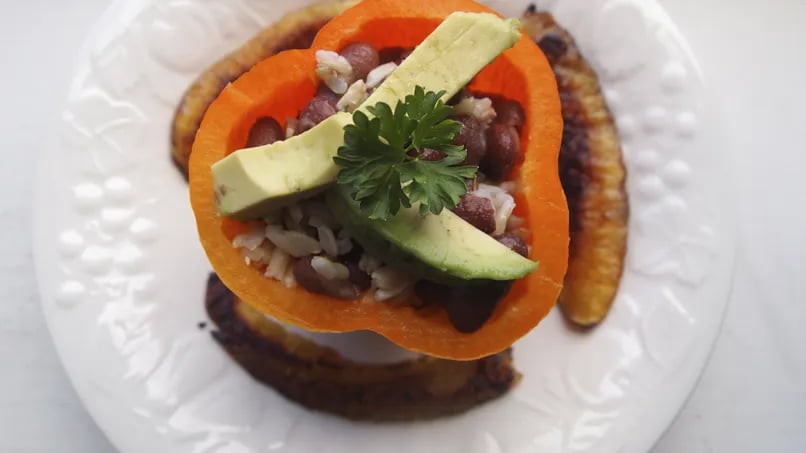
<point x="122" y="276"/>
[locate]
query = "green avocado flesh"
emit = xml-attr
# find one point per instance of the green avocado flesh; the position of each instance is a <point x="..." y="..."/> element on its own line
<point x="441" y="247"/>
<point x="253" y="181"/>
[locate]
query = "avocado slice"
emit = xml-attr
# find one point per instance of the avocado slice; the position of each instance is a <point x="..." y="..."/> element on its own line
<point x="442" y="248"/>
<point x="252" y="181"/>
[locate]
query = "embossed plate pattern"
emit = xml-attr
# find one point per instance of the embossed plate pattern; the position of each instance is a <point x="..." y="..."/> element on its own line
<point x="122" y="276"/>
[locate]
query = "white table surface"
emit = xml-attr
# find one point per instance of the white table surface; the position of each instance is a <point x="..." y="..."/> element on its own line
<point x="752" y="395"/>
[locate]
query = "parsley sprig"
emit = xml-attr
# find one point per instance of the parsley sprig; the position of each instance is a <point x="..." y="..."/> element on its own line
<point x="384" y="165"/>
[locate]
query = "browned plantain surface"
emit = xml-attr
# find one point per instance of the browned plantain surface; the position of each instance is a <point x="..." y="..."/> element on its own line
<point x="317" y="377"/>
<point x="294" y="31"/>
<point x="592" y="174"/>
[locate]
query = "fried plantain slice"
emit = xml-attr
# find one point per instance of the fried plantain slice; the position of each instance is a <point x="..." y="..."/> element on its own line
<point x="319" y="378"/>
<point x="593" y="177"/>
<point x="296" y="30"/>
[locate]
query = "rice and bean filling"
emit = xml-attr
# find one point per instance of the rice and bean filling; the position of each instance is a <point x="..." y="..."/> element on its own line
<point x="305" y="245"/>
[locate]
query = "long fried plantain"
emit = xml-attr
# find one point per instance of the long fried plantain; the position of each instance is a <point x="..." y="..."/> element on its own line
<point x="593" y="177"/>
<point x="319" y="378"/>
<point x="294" y="31"/>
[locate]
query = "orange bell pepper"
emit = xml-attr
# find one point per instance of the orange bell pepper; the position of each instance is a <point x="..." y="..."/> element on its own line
<point x="281" y="85"/>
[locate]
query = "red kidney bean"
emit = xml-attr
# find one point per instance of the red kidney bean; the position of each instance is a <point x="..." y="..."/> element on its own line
<point x="265" y="131"/>
<point x="514" y="243"/>
<point x="503" y="151"/>
<point x="324" y="92"/>
<point x="362" y="57"/>
<point x="468" y="306"/>
<point x="509" y="112"/>
<point x="472" y="137"/>
<point x="477" y="211"/>
<point x="317" y="110"/>
<point x="306" y="275"/>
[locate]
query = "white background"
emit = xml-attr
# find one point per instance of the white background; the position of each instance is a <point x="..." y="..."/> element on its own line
<point x="752" y="396"/>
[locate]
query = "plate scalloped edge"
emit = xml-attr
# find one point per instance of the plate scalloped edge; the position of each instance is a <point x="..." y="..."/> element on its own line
<point x="122" y="280"/>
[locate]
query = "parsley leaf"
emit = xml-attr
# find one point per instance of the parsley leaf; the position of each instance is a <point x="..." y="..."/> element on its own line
<point x="385" y="161"/>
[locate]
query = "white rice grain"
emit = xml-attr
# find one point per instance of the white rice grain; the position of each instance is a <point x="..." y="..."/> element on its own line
<point x="328" y="241"/>
<point x="345" y="245"/>
<point x="390" y="282"/>
<point x="481" y="108"/>
<point x="291" y="127"/>
<point x="294" y="243"/>
<point x="328" y="269"/>
<point x="355" y="96"/>
<point x="289" y="281"/>
<point x="292" y="219"/>
<point x="379" y="74"/>
<point x="502" y="213"/>
<point x="278" y="265"/>
<point x="261" y="254"/>
<point x="345" y="241"/>
<point x="334" y="70"/>
<point x="295" y="212"/>
<point x="250" y="240"/>
<point x="503" y="204"/>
